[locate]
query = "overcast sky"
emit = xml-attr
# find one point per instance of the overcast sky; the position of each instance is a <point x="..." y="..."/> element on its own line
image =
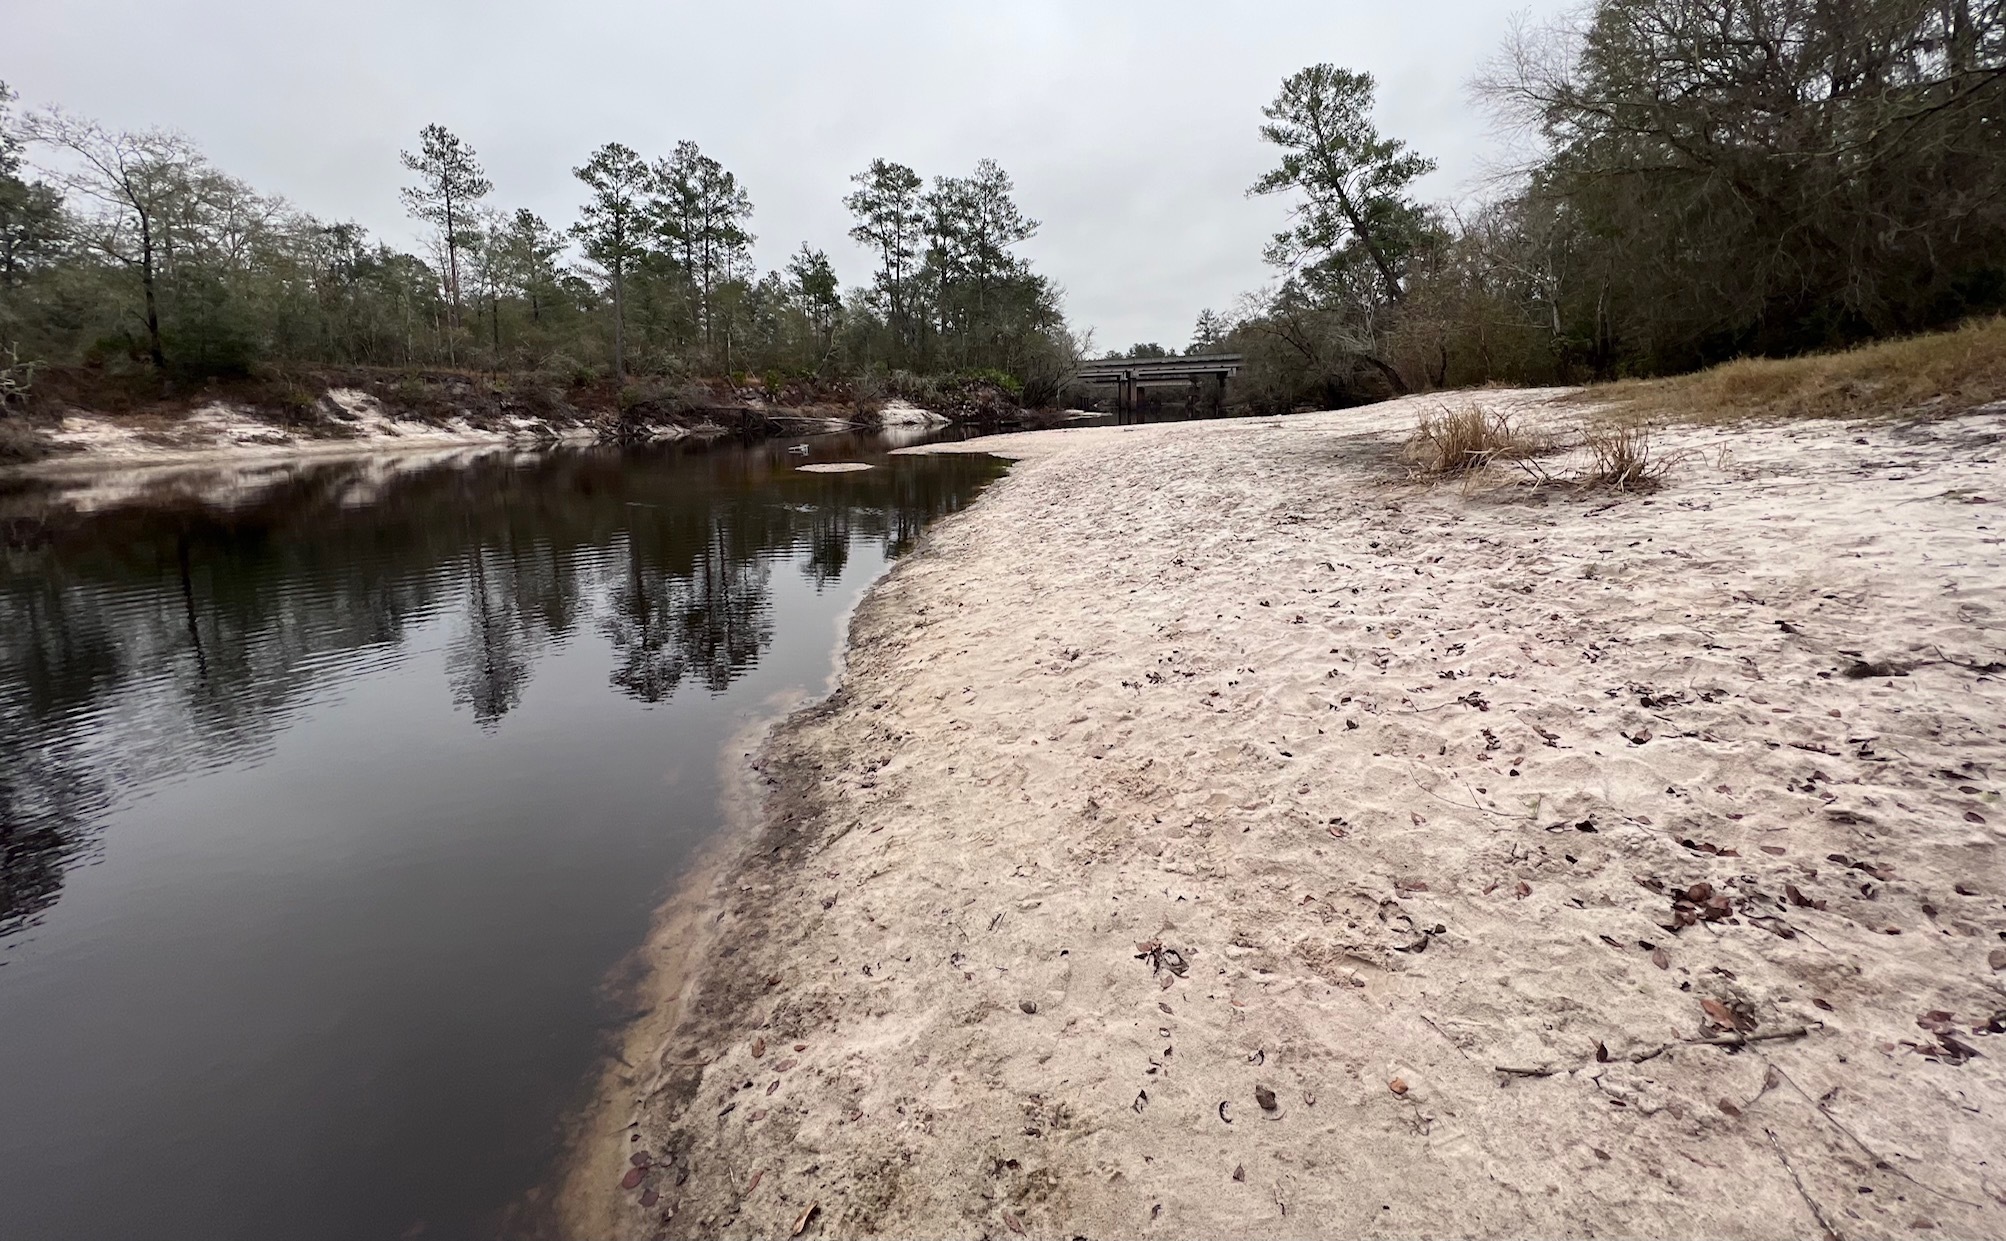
<point x="1130" y="127"/>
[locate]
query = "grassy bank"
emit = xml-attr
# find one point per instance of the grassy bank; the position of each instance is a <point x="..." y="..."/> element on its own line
<point x="1939" y="372"/>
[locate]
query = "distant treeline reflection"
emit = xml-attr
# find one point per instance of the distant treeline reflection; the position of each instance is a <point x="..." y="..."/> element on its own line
<point x="177" y="630"/>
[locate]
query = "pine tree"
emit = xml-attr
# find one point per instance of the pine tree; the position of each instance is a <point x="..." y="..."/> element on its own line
<point x="451" y="184"/>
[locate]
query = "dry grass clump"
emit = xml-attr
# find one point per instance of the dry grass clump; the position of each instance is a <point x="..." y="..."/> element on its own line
<point x="1621" y="455"/>
<point x="1941" y="371"/>
<point x="1460" y="442"/>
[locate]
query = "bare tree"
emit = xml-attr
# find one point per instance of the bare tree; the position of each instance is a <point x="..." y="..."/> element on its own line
<point x="135" y="181"/>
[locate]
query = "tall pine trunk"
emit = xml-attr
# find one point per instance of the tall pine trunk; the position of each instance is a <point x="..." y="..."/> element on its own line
<point x="619" y="326"/>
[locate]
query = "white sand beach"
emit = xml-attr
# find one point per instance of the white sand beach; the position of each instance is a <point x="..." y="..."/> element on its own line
<point x="1218" y="832"/>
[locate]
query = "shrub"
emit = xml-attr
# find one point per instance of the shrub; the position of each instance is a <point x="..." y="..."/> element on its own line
<point x="18" y="442"/>
<point x="566" y="369"/>
<point x="16" y="378"/>
<point x="867" y="392"/>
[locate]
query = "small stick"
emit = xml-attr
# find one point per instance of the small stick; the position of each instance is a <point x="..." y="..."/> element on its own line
<point x="1801" y="1191"/>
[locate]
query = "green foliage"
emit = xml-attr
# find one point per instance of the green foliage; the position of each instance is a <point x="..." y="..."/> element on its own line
<point x="1356" y="208"/>
<point x="1001" y="379"/>
<point x="1712" y="179"/>
<point x="144" y="255"/>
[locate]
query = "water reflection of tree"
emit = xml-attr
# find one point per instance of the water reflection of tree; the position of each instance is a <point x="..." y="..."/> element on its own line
<point x="48" y="804"/>
<point x="488" y="661"/>
<point x="693" y="602"/>
<point x="140" y="640"/>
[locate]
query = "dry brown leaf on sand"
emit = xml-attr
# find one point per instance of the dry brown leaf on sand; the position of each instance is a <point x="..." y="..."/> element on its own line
<point x="1398" y="1085"/>
<point x="1718" y="1013"/>
<point x="1661" y="958"/>
<point x="1013" y="1223"/>
<point x="801" y="1220"/>
<point x="758" y="1048"/>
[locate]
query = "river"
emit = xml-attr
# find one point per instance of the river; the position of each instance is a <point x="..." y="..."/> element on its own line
<point x="333" y="794"/>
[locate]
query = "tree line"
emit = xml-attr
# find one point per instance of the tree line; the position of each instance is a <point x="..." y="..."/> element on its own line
<point x="130" y="250"/>
<point x="1707" y="179"/>
<point x="1700" y="180"/>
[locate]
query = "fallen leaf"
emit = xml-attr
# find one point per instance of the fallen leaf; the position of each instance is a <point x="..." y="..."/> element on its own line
<point x="1013" y="1223"/>
<point x="1699" y="893"/>
<point x="1523" y="889"/>
<point x="1240" y="1172"/>
<point x="634" y="1177"/>
<point x="800" y="1047"/>
<point x="1661" y="958"/>
<point x="801" y="1220"/>
<point x="1823" y="1004"/>
<point x="639" y="1159"/>
<point x="773" y="1086"/>
<point x="1718" y="1013"/>
<point x="758" y="1048"/>
<point x="1601" y="1053"/>
<point x="785" y="1065"/>
<point x="1729" y="1108"/>
<point x="1264" y="1097"/>
<point x="649" y="1196"/>
<point x="1775" y="850"/>
<point x="1398" y="1085"/>
<point x="754" y="1182"/>
<point x="1029" y="1006"/>
<point x="1997" y="959"/>
<point x="1972" y="816"/>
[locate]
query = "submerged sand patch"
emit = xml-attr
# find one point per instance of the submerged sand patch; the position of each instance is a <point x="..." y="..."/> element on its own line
<point x="834" y="467"/>
<point x="1216" y="833"/>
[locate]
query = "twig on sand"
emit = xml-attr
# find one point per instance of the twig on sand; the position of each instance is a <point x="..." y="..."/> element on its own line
<point x="1868" y="1151"/>
<point x="1802" y="1192"/>
<point x="1652" y="1053"/>
<point x="1445" y="1036"/>
<point x="1473" y="804"/>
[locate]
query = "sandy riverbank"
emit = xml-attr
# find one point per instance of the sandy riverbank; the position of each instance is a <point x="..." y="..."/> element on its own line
<point x="1216" y="833"/>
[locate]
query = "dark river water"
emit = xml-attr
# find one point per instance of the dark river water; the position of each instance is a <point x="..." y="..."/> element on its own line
<point x="331" y="794"/>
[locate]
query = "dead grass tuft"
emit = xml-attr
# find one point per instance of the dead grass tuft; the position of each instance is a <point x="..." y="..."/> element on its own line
<point x="1461" y="442"/>
<point x="1622" y="456"/>
<point x="1941" y="372"/>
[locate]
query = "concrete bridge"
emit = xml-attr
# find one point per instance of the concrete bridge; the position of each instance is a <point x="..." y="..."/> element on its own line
<point x="1130" y="376"/>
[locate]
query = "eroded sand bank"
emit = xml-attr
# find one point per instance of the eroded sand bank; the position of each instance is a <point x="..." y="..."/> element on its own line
<point x="1216" y="834"/>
